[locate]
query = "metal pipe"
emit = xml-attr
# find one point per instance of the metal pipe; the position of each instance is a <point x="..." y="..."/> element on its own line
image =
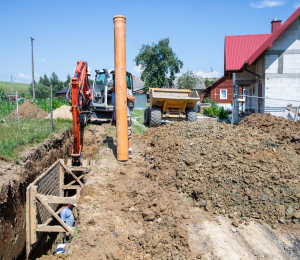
<point x="120" y="88"/>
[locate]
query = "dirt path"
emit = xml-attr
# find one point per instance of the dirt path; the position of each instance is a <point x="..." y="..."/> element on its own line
<point x="124" y="213"/>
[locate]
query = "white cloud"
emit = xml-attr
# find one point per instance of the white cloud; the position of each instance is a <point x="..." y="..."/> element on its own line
<point x="45" y="61"/>
<point x="136" y="71"/>
<point x="214" y="74"/>
<point x="297" y="5"/>
<point x="23" y="75"/>
<point x="268" y="3"/>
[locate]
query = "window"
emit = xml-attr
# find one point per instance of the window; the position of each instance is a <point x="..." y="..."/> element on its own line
<point x="223" y="93"/>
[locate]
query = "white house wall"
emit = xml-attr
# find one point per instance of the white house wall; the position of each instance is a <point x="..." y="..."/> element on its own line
<point x="282" y="78"/>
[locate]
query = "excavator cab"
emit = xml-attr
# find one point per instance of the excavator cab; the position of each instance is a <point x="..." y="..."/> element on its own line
<point x="102" y="94"/>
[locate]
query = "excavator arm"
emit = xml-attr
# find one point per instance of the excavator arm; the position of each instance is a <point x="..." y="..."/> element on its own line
<point x="81" y="96"/>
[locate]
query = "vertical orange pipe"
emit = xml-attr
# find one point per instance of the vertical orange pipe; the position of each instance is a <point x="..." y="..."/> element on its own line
<point x="120" y="88"/>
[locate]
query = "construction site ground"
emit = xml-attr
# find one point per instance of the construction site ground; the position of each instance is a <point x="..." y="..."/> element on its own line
<point x="146" y="209"/>
<point x="202" y="190"/>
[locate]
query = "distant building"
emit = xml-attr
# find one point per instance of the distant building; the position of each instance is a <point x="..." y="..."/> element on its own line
<point x="62" y="93"/>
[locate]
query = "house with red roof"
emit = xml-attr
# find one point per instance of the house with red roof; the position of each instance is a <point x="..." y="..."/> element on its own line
<point x="267" y="66"/>
<point x="221" y="91"/>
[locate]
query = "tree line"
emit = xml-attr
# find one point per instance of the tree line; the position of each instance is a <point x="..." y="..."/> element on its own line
<point x="42" y="87"/>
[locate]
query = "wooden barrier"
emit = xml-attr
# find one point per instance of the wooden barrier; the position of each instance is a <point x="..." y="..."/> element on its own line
<point x="45" y="199"/>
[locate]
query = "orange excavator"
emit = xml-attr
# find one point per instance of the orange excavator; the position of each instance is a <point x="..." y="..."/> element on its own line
<point x="81" y="96"/>
<point x="90" y="102"/>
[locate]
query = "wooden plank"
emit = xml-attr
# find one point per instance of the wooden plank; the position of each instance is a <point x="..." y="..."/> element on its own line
<point x="58" y="200"/>
<point x="44" y="228"/>
<point x="32" y="213"/>
<point x="74" y="176"/>
<point x="292" y="110"/>
<point x="61" y="180"/>
<point x="73" y="187"/>
<point x="72" y="182"/>
<point x="28" y="241"/>
<point x="53" y="213"/>
<point x="51" y="218"/>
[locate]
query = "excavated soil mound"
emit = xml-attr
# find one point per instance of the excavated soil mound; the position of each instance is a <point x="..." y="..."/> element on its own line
<point x="29" y="111"/>
<point x="62" y="112"/>
<point x="236" y="171"/>
<point x="283" y="129"/>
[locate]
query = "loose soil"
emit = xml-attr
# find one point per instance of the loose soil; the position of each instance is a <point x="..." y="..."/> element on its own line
<point x="181" y="194"/>
<point x="282" y="129"/>
<point x="28" y="110"/>
<point x="235" y="171"/>
<point x="62" y="112"/>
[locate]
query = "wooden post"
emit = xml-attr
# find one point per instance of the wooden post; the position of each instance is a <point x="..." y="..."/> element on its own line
<point x="33" y="222"/>
<point x="17" y="107"/>
<point x="51" y="109"/>
<point x="61" y="179"/>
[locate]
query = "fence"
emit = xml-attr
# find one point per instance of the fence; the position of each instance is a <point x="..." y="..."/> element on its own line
<point x="23" y="121"/>
<point x="253" y="104"/>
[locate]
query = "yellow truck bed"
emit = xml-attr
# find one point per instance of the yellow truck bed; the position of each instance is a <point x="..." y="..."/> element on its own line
<point x="170" y="104"/>
<point x="173" y="102"/>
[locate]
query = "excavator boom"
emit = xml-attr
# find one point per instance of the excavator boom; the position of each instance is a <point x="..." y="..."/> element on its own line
<point x="81" y="96"/>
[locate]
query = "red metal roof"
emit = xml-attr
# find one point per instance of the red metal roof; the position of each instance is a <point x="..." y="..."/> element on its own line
<point x="247" y="48"/>
<point x="239" y="48"/>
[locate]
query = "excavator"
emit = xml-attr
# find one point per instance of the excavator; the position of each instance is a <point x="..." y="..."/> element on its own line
<point x="89" y="102"/>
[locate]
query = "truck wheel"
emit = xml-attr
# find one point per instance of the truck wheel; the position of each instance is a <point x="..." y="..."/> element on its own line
<point x="146" y="116"/>
<point x="155" y="117"/>
<point x="191" y="115"/>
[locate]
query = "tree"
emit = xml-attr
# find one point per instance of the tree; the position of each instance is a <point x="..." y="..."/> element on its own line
<point x="207" y="82"/>
<point x="67" y="81"/>
<point x="57" y="85"/>
<point x="188" y="80"/>
<point x="159" y="64"/>
<point x="41" y="91"/>
<point x="46" y="81"/>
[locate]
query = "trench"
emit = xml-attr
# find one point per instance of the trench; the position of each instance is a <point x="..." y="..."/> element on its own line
<point x="13" y="195"/>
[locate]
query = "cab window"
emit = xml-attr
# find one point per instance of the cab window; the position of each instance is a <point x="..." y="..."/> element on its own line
<point x="128" y="82"/>
<point x="100" y="81"/>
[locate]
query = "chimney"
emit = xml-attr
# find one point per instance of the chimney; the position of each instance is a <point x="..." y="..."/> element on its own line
<point x="275" y="25"/>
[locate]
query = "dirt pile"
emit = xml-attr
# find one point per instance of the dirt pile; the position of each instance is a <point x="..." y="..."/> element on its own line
<point x="236" y="171"/>
<point x="62" y="112"/>
<point x="283" y="129"/>
<point x="28" y="110"/>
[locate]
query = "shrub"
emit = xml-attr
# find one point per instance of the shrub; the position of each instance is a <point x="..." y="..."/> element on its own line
<point x="215" y="110"/>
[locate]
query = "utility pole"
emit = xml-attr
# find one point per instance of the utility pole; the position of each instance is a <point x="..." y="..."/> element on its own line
<point x="11" y="83"/>
<point x="33" y="91"/>
<point x="212" y="74"/>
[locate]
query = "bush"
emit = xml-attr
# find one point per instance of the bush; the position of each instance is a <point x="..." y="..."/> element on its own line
<point x="215" y="110"/>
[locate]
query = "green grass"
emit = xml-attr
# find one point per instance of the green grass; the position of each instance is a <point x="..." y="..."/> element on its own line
<point x="14" y="136"/>
<point x="139" y="115"/>
<point x="20" y="87"/>
<point x="6" y="107"/>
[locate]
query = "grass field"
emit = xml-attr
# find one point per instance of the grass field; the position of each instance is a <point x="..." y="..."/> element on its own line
<point x="20" y="87"/>
<point x="139" y="115"/>
<point x="14" y="136"/>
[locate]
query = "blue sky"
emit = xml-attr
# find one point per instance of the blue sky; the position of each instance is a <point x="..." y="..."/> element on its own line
<point x="68" y="31"/>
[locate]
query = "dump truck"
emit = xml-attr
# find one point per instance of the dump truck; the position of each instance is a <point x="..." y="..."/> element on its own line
<point x="171" y="105"/>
